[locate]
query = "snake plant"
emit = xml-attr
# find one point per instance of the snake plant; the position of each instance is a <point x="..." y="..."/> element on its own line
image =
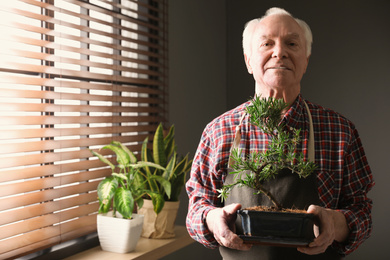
<point x="174" y="170"/>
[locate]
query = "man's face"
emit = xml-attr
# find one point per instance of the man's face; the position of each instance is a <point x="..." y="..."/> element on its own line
<point x="278" y="54"/>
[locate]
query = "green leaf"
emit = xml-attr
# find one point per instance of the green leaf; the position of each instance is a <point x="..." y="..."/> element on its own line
<point x="124" y="202"/>
<point x="164" y="183"/>
<point x="168" y="173"/>
<point x="103" y="159"/>
<point x="140" y="202"/>
<point x="132" y="157"/>
<point x="142" y="164"/>
<point x="169" y="142"/>
<point x="146" y="161"/>
<point x="121" y="156"/>
<point x="157" y="200"/>
<point x="159" y="155"/>
<point x="146" y="155"/>
<point x="106" y="190"/>
<point x="138" y="180"/>
<point x="180" y="167"/>
<point x="119" y="175"/>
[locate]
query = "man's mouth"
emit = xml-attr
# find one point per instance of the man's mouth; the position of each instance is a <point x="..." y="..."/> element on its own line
<point x="279" y="68"/>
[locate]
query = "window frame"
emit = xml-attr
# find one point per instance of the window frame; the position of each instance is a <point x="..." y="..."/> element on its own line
<point x="138" y="93"/>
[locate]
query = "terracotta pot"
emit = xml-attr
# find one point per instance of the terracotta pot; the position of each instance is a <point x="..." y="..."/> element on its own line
<point x="161" y="225"/>
<point x="117" y="234"/>
<point x="276" y="228"/>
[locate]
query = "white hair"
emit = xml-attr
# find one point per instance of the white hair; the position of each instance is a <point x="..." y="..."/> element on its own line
<point x="251" y="25"/>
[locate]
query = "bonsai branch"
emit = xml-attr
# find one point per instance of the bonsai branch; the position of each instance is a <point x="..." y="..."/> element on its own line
<point x="267" y="193"/>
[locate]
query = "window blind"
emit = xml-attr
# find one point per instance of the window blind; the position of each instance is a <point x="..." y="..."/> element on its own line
<point x="74" y="75"/>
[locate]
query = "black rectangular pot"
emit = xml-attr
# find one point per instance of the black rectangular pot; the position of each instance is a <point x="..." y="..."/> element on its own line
<point x="276" y="228"/>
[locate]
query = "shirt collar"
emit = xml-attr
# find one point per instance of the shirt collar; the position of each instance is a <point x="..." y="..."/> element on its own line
<point x="295" y="116"/>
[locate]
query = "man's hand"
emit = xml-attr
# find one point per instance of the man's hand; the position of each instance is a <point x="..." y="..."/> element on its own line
<point x="330" y="225"/>
<point x="220" y="222"/>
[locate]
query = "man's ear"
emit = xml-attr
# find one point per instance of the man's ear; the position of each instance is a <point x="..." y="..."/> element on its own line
<point x="307" y="63"/>
<point x="247" y="63"/>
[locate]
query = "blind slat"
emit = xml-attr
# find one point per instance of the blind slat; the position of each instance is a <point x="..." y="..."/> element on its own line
<point x="80" y="131"/>
<point x="33" y="94"/>
<point x="64" y="60"/>
<point x="48" y="120"/>
<point x="10" y="148"/>
<point x="74" y="108"/>
<point x="26" y="240"/>
<point x="51" y="182"/>
<point x="19" y="67"/>
<point x="46" y="195"/>
<point x="43" y="221"/>
<point x="46" y="208"/>
<point x="89" y="18"/>
<point x="52" y="20"/>
<point x="8" y="78"/>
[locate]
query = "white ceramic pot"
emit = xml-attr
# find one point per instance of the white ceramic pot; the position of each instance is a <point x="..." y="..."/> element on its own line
<point x="161" y="225"/>
<point x="117" y="234"/>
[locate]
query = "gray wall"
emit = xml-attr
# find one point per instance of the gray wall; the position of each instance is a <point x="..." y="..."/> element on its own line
<point x="349" y="71"/>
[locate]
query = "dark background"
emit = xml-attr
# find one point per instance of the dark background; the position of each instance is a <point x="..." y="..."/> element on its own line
<point x="349" y="72"/>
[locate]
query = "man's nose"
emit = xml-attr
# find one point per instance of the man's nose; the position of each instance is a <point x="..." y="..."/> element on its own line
<point x="279" y="51"/>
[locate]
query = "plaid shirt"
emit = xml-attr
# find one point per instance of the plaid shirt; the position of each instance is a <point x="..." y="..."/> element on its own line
<point x="343" y="174"/>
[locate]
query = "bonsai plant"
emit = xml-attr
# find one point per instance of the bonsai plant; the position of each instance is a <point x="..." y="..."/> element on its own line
<point x="121" y="192"/>
<point x="173" y="170"/>
<point x="257" y="168"/>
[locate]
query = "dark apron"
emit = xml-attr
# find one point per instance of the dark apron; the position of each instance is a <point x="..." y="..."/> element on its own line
<point x="292" y="192"/>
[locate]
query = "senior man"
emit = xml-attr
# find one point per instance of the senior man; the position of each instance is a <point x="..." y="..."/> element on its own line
<point x="277" y="48"/>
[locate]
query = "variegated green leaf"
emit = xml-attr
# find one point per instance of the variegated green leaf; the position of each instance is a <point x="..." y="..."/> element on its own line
<point x="164" y="183"/>
<point x="169" y="142"/>
<point x="132" y="157"/>
<point x="106" y="190"/>
<point x="103" y="159"/>
<point x="121" y="156"/>
<point x="169" y="171"/>
<point x="142" y="164"/>
<point x="159" y="155"/>
<point x="124" y="202"/>
<point x="157" y="200"/>
<point x="119" y="175"/>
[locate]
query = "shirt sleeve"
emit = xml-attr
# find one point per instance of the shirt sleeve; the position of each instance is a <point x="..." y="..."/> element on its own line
<point x="202" y="191"/>
<point x="354" y="203"/>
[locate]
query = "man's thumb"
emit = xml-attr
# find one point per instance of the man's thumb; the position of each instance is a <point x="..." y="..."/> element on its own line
<point x="232" y="208"/>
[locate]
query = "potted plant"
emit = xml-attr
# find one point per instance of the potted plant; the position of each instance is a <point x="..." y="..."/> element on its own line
<point x="275" y="224"/>
<point x="119" y="229"/>
<point x="163" y="153"/>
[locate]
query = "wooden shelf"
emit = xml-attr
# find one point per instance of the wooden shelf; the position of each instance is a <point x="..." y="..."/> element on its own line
<point x="147" y="249"/>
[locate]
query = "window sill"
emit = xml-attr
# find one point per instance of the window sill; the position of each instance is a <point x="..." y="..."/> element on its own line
<point x="146" y="248"/>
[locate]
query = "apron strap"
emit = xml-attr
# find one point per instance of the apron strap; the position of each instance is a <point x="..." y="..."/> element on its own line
<point x="311" y="148"/>
<point x="236" y="141"/>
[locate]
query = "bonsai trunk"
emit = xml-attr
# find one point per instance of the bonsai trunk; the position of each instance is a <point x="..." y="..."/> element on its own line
<point x="269" y="195"/>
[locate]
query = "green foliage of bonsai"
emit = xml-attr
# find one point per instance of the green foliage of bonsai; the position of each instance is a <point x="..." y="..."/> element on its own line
<point x="256" y="168"/>
<point x="159" y="175"/>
